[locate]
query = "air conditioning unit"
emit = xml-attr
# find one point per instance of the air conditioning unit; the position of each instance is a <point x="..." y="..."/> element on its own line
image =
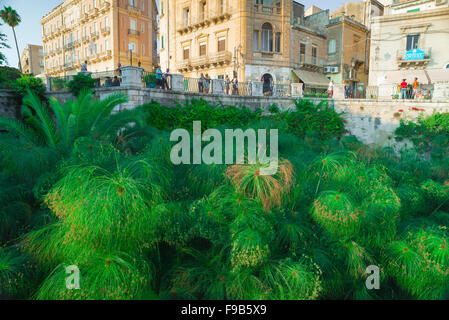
<point x="334" y="70"/>
<point x="327" y="69"/>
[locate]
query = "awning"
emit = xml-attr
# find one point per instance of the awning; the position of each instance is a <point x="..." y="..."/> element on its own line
<point x="396" y="77"/>
<point x="312" y="78"/>
<point x="438" y="76"/>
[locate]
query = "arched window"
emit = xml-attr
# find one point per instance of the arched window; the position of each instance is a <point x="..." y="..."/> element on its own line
<point x="267" y="37"/>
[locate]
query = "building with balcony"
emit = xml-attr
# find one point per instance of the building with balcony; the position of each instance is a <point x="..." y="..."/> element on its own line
<point x="348" y="36"/>
<point x="410" y="40"/>
<point x="32" y="59"/>
<point x="257" y="40"/>
<point x="100" y="32"/>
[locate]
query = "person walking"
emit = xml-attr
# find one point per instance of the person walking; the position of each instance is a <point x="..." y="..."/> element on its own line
<point x="206" y="83"/>
<point x="84" y="66"/>
<point x="347" y="90"/>
<point x="159" y="82"/>
<point x="227" y="84"/>
<point x="235" y="86"/>
<point x="415" y="88"/>
<point x="404" y="89"/>
<point x="330" y="89"/>
<point x="201" y="84"/>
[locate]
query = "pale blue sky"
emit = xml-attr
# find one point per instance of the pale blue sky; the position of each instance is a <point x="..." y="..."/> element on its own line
<point x="31" y="11"/>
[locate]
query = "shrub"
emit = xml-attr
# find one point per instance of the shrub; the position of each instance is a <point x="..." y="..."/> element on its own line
<point x="8" y="76"/>
<point x="35" y="85"/>
<point x="81" y="82"/>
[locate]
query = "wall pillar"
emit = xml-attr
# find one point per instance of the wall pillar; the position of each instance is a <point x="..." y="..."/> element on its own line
<point x="131" y="76"/>
<point x="217" y="86"/>
<point x="339" y="91"/>
<point x="441" y="91"/>
<point x="297" y="89"/>
<point x="256" y="88"/>
<point x="386" y="91"/>
<point x="177" y="82"/>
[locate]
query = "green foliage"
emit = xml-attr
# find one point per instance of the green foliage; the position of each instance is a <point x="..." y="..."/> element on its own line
<point x="81" y="82"/>
<point x="8" y="76"/>
<point x="86" y="188"/>
<point x="28" y="82"/>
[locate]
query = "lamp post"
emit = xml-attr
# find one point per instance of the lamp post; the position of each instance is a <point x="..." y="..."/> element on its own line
<point x="131" y="49"/>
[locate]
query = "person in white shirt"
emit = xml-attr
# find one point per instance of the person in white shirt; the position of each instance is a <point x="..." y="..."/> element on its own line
<point x="330" y="89"/>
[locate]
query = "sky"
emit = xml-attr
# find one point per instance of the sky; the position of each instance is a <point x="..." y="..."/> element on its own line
<point x="31" y="11"/>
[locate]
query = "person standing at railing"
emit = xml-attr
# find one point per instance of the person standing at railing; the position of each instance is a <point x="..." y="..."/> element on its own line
<point x="84" y="66"/>
<point x="415" y="88"/>
<point x="165" y="77"/>
<point x="227" y="84"/>
<point x="235" y="85"/>
<point x="159" y="82"/>
<point x="404" y="89"/>
<point x="330" y="89"/>
<point x="206" y="83"/>
<point x="201" y="84"/>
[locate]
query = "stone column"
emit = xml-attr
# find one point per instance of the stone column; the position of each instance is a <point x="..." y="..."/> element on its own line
<point x="48" y="84"/>
<point x="339" y="91"/>
<point x="217" y="86"/>
<point x="131" y="76"/>
<point x="440" y="91"/>
<point x="256" y="88"/>
<point x="177" y="82"/>
<point x="386" y="91"/>
<point x="297" y="89"/>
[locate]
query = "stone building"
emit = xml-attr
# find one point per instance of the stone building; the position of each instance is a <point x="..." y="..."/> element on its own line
<point x="103" y="32"/>
<point x="258" y="40"/>
<point x="348" y="35"/>
<point x="411" y="40"/>
<point x="32" y="59"/>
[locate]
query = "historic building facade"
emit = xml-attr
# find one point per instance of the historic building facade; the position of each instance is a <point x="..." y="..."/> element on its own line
<point x="410" y="40"/>
<point x="101" y="32"/>
<point x="32" y="59"/>
<point x="254" y="39"/>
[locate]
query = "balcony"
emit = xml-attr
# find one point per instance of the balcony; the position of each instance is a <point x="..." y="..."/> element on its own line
<point x="204" y="19"/>
<point x="310" y="62"/>
<point x="68" y="66"/>
<point x="94" y="35"/>
<point x="184" y="65"/>
<point x="132" y="32"/>
<point x="413" y="59"/>
<point x="105" y="7"/>
<point x="134" y="10"/>
<point x="105" y="31"/>
<point x="69" y="45"/>
<point x="200" y="62"/>
<point x="85" y="39"/>
<point x="105" y="55"/>
<point x="84" y="17"/>
<point x="350" y="75"/>
<point x="260" y="8"/>
<point x="220" y="58"/>
<point x="94" y="12"/>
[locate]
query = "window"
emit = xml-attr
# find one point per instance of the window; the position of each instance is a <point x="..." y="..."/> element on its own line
<point x="143" y="27"/>
<point x="332" y="46"/>
<point x="202" y="10"/>
<point x="162" y="42"/>
<point x="132" y="24"/>
<point x="95" y="27"/>
<point x="162" y="7"/>
<point x="41" y="52"/>
<point x="186" y="53"/>
<point x="256" y="40"/>
<point x="143" y="49"/>
<point x="302" y="48"/>
<point x="106" y="22"/>
<point x="186" y="16"/>
<point x="202" y="48"/>
<point x="267" y="37"/>
<point x="142" y="5"/>
<point x="221" y="44"/>
<point x="132" y="3"/>
<point x="278" y="42"/>
<point x="95" y="3"/>
<point x="106" y="45"/>
<point x="314" y="55"/>
<point x="85" y="9"/>
<point x="412" y="42"/>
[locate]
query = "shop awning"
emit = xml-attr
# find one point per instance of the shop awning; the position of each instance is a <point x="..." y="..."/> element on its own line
<point x="437" y="76"/>
<point x="313" y="79"/>
<point x="396" y="77"/>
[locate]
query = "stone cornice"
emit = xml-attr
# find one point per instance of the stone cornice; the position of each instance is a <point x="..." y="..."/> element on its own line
<point x="413" y="15"/>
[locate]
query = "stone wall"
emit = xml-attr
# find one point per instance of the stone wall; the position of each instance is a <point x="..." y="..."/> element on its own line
<point x="8" y="106"/>
<point x="372" y="121"/>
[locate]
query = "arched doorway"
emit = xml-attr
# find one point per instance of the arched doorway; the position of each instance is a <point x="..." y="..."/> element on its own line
<point x="267" y="84"/>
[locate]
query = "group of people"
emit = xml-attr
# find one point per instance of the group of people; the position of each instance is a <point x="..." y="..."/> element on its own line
<point x="162" y="78"/>
<point x="204" y="84"/>
<point x="405" y="92"/>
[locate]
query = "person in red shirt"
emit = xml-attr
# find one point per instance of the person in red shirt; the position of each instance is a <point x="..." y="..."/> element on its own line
<point x="403" y="89"/>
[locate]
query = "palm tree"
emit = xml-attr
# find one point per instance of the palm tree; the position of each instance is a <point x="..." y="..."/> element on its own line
<point x="12" y="18"/>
